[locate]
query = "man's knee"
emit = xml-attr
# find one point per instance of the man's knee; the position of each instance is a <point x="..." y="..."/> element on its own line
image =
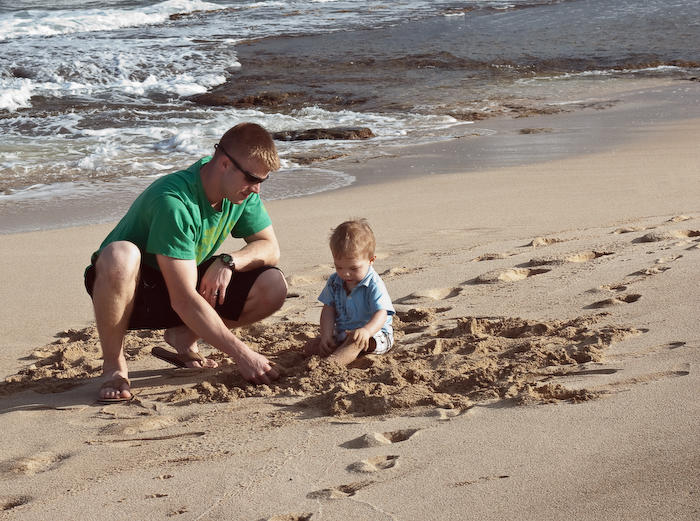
<point x="270" y="290"/>
<point x="118" y="262"/>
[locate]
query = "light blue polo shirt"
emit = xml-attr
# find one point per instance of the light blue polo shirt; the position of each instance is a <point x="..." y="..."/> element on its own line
<point x="356" y="309"/>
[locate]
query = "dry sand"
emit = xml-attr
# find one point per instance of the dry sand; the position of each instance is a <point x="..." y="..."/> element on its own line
<point x="546" y="364"/>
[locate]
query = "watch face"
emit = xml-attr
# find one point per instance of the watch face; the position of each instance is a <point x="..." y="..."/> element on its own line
<point x="227" y="259"/>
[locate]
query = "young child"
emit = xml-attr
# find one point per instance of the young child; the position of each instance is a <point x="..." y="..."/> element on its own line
<point x="357" y="310"/>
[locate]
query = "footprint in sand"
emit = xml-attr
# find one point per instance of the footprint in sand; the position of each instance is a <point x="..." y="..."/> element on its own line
<point x="586" y="256"/>
<point x="538" y="242"/>
<point x="510" y="275"/>
<point x="36" y="464"/>
<point x="339" y="492"/>
<point x="654" y="270"/>
<point x="679" y="218"/>
<point x="614" y="287"/>
<point x="580" y="257"/>
<point x="129" y="428"/>
<point x="622" y="299"/>
<point x="491" y="256"/>
<point x="630" y="229"/>
<point x="398" y="271"/>
<point x="290" y="517"/>
<point x="430" y="294"/>
<point x="665" y="260"/>
<point x="10" y="502"/>
<point x="377" y="464"/>
<point x="377" y="439"/>
<point x="667" y="235"/>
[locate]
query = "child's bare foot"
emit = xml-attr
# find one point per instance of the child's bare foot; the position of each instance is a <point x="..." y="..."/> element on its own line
<point x="313" y="347"/>
<point x="346" y="353"/>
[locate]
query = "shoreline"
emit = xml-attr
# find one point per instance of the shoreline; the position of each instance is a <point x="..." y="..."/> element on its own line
<point x="613" y="117"/>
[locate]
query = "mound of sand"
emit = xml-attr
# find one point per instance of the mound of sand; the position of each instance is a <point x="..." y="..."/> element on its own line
<point x="473" y="360"/>
<point x="478" y="359"/>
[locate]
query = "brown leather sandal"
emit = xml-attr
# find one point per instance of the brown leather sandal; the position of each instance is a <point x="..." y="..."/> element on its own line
<point x="116" y="384"/>
<point x="177" y="359"/>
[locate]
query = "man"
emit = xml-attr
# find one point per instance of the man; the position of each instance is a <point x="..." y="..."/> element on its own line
<point x="157" y="268"/>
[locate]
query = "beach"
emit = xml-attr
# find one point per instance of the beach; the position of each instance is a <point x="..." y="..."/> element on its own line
<point x="546" y="364"/>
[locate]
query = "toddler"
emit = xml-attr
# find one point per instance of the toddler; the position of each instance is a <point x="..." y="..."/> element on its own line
<point x="357" y="310"/>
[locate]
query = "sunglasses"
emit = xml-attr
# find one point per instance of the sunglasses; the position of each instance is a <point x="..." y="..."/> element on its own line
<point x="252" y="178"/>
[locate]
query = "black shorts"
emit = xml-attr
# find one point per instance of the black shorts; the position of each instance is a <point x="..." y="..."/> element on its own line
<point x="152" y="308"/>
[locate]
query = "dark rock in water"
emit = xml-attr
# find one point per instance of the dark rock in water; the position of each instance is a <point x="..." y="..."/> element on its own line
<point x="21" y="72"/>
<point x="347" y="133"/>
<point x="307" y="159"/>
<point x="263" y="99"/>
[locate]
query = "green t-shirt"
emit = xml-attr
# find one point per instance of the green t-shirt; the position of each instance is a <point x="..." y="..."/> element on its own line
<point x="173" y="217"/>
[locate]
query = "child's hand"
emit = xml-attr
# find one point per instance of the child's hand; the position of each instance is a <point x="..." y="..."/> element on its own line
<point x="360" y="337"/>
<point x="327" y="345"/>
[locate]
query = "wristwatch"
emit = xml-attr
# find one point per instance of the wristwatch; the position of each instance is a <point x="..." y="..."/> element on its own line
<point x="228" y="260"/>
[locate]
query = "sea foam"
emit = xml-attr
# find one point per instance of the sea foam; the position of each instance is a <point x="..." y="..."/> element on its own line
<point x="54" y="22"/>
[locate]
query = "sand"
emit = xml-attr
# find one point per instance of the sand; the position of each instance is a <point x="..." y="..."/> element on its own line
<point x="545" y="366"/>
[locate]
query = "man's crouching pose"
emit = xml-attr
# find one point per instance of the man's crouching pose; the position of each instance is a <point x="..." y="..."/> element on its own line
<point x="157" y="268"/>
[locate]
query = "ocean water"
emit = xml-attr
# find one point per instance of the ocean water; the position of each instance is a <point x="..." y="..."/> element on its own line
<point x="99" y="98"/>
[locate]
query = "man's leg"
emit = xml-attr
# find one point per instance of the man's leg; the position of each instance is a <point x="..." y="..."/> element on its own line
<point x="116" y="276"/>
<point x="264" y="298"/>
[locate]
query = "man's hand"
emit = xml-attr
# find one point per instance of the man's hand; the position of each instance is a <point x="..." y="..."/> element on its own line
<point x="360" y="337"/>
<point x="255" y="368"/>
<point x="215" y="282"/>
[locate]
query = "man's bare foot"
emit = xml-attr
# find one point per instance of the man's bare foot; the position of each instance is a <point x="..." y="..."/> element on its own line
<point x="116" y="386"/>
<point x="184" y="340"/>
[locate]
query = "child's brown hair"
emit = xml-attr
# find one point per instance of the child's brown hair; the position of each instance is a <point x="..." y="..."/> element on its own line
<point x="351" y="238"/>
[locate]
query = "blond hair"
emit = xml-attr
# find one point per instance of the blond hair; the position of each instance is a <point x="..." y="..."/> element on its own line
<point x="253" y="141"/>
<point x="351" y="238"/>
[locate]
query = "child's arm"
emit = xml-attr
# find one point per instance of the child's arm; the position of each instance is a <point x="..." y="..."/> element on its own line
<point x="362" y="335"/>
<point x="327" y="323"/>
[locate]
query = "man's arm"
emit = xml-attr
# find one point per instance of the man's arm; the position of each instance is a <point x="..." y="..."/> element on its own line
<point x="181" y="279"/>
<point x="261" y="249"/>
